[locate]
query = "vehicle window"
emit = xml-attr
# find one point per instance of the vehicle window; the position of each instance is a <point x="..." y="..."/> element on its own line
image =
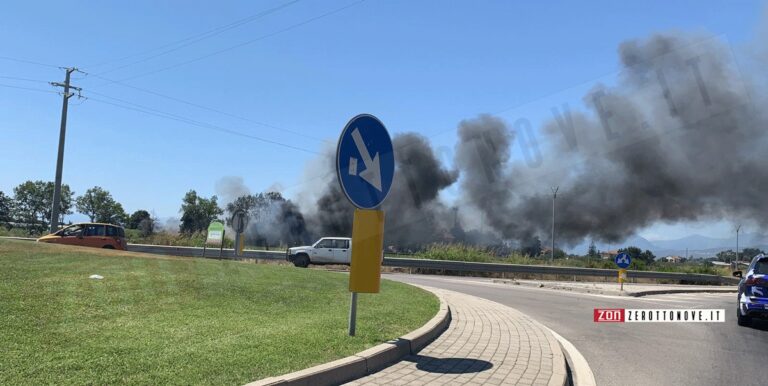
<point x="95" y="230"/>
<point x="113" y="231"/>
<point x="761" y="267"/>
<point x="75" y="230"/>
<point x="325" y="243"/>
<point x="342" y="244"/>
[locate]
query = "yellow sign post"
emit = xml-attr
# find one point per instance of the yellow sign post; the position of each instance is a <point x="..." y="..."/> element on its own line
<point x="367" y="245"/>
<point x="622" y="277"/>
<point x="365" y="267"/>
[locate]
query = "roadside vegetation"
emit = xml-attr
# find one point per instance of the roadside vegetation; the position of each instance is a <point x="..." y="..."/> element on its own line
<point x="27" y="212"/>
<point x="460" y="252"/>
<point x="167" y="320"/>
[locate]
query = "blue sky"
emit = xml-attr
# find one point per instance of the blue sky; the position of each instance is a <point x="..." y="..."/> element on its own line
<point x="418" y="65"/>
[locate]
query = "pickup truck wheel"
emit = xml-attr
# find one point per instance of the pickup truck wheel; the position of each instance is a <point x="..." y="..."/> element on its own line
<point x="301" y="261"/>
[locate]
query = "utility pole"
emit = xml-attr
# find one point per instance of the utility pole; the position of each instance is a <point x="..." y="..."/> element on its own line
<point x="62" y="134"/>
<point x="554" y="197"/>
<point x="736" y="265"/>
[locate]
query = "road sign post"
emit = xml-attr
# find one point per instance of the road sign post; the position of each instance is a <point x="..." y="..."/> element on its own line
<point x="623" y="260"/>
<point x="239" y="223"/>
<point x="365" y="168"/>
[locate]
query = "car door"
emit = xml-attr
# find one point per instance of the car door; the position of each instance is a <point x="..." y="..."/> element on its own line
<point x="341" y="251"/>
<point x="70" y="235"/>
<point x="95" y="236"/>
<point x="322" y="252"/>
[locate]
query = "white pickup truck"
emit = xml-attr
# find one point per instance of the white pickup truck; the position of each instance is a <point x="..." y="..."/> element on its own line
<point x="327" y="250"/>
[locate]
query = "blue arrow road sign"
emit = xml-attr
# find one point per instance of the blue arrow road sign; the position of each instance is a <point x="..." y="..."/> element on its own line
<point x="365" y="161"/>
<point x="623" y="260"/>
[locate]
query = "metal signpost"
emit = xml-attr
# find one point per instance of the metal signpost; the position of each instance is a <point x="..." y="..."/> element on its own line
<point x="623" y="260"/>
<point x="239" y="222"/>
<point x="215" y="235"/>
<point x="365" y="167"/>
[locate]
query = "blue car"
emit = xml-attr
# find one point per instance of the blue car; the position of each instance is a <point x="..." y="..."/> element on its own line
<point x="753" y="291"/>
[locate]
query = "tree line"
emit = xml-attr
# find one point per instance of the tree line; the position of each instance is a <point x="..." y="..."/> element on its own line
<point x="30" y="207"/>
<point x="32" y="201"/>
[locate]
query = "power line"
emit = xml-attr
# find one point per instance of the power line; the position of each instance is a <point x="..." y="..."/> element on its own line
<point x="28" y="88"/>
<point x="23" y="79"/>
<point x="230" y="48"/>
<point x="189" y="121"/>
<point x="194" y="38"/>
<point x="29" y="62"/>
<point x="211" y="109"/>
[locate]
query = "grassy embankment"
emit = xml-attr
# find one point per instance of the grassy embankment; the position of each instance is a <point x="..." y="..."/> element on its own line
<point x="163" y="320"/>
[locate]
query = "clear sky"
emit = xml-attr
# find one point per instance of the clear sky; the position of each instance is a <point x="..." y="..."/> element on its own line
<point x="287" y="81"/>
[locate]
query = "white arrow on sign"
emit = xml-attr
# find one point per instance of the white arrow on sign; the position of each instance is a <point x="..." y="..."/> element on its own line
<point x="372" y="172"/>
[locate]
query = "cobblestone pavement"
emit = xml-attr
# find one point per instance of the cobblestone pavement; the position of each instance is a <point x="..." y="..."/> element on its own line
<point x="486" y="343"/>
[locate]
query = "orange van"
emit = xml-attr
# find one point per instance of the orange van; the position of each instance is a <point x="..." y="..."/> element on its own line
<point x="94" y="235"/>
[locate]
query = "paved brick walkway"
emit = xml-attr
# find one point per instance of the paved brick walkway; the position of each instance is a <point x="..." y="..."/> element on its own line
<point x="486" y="343"/>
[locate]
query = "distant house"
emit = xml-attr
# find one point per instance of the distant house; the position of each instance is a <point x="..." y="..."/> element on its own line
<point x="673" y="259"/>
<point x="608" y="255"/>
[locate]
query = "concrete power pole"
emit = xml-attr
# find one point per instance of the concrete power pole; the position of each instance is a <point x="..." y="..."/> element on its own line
<point x="736" y="265"/>
<point x="62" y="134"/>
<point x="554" y="197"/>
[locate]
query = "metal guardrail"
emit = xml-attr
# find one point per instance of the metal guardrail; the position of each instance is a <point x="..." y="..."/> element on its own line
<point x="444" y="265"/>
<point x="463" y="266"/>
<point x="210" y="252"/>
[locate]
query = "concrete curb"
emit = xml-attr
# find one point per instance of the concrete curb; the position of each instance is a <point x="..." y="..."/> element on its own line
<point x="581" y="373"/>
<point x="629" y="292"/>
<point x="368" y="361"/>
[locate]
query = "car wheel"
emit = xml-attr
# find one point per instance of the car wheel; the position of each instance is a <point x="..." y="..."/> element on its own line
<point x="108" y="247"/>
<point x="742" y="320"/>
<point x="301" y="261"/>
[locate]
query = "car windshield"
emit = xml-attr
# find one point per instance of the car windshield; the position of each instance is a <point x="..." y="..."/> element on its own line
<point x="74" y="230"/>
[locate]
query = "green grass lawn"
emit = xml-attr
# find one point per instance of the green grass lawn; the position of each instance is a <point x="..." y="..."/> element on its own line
<point x="161" y="320"/>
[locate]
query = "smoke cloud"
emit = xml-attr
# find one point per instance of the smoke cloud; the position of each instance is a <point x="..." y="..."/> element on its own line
<point x="677" y="139"/>
<point x="414" y="215"/>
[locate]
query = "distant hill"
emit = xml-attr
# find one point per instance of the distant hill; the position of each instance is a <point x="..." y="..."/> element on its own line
<point x="697" y="245"/>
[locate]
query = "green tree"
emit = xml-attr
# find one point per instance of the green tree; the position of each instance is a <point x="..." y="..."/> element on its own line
<point x="136" y="218"/>
<point x="531" y="247"/>
<point x="5" y="208"/>
<point x="99" y="206"/>
<point x="747" y="254"/>
<point x="257" y="206"/>
<point x="728" y="255"/>
<point x="147" y="226"/>
<point x="33" y="201"/>
<point x="592" y="252"/>
<point x="198" y="212"/>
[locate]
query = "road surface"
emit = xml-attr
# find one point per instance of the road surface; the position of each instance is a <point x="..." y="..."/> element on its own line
<point x="635" y="353"/>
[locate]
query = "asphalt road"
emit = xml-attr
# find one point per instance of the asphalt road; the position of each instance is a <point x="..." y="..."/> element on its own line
<point x="635" y="353"/>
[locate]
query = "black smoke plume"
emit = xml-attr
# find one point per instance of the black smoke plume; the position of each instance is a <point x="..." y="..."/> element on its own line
<point x="414" y="215"/>
<point x="677" y="139"/>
